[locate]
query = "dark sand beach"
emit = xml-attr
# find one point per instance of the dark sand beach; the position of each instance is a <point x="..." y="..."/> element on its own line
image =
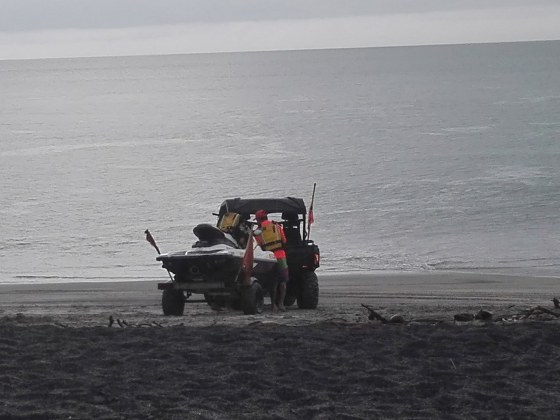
<point x="61" y="358"/>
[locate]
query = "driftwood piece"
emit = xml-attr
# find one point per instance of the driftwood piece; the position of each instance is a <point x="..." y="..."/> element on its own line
<point x="463" y="317"/>
<point x="483" y="315"/>
<point x="374" y="315"/>
<point x="537" y="310"/>
<point x="397" y="319"/>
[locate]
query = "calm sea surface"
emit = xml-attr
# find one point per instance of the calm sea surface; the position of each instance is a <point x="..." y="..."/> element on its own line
<point x="425" y="158"/>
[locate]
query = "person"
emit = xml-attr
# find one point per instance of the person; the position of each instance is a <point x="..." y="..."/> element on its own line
<point x="272" y="238"/>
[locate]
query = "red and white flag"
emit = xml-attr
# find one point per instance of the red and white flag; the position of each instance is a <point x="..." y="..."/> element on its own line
<point x="247" y="263"/>
<point x="310" y="215"/>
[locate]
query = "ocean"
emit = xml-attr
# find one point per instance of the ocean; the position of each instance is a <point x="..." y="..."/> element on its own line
<point x="425" y="158"/>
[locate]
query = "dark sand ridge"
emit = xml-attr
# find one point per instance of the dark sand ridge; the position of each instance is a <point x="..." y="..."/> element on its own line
<point x="59" y="358"/>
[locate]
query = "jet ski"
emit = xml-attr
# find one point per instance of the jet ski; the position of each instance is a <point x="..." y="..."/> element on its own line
<point x="214" y="259"/>
<point x="213" y="268"/>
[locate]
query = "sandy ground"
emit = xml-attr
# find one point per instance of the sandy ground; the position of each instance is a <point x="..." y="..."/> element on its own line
<point x="61" y="358"/>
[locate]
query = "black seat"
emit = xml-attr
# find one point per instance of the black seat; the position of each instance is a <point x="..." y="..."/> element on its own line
<point x="291" y="228"/>
<point x="209" y="235"/>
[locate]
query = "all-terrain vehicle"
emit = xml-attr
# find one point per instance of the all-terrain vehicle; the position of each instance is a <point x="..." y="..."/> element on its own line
<point x="214" y="265"/>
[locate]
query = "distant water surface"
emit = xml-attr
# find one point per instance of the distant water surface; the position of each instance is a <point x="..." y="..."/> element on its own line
<point x="425" y="158"/>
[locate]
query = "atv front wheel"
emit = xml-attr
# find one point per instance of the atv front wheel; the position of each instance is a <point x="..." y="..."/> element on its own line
<point x="173" y="302"/>
<point x="308" y="297"/>
<point x="252" y="299"/>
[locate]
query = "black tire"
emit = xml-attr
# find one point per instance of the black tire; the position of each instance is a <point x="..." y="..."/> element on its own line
<point x="309" y="291"/>
<point x="252" y="299"/>
<point x="289" y="300"/>
<point x="173" y="302"/>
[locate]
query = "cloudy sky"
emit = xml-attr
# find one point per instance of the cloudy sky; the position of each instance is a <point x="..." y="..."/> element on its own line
<point x="70" y="28"/>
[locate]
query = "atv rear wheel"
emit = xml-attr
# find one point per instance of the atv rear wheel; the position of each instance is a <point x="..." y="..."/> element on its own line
<point x="173" y="302"/>
<point x="308" y="297"/>
<point x="252" y="299"/>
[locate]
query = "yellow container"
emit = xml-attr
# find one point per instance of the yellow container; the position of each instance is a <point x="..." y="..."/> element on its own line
<point x="229" y="222"/>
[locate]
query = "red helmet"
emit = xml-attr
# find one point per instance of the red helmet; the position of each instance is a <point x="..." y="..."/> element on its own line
<point x="261" y="215"/>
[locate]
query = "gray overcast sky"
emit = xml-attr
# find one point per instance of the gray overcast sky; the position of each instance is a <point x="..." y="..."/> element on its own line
<point x="68" y="28"/>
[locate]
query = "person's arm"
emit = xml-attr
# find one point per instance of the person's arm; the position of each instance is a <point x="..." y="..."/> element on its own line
<point x="259" y="240"/>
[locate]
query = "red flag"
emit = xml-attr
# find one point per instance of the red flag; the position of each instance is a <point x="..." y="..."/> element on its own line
<point x="311" y="218"/>
<point x="247" y="264"/>
<point x="151" y="240"/>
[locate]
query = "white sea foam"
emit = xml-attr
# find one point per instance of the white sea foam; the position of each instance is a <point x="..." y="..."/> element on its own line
<point x="66" y="148"/>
